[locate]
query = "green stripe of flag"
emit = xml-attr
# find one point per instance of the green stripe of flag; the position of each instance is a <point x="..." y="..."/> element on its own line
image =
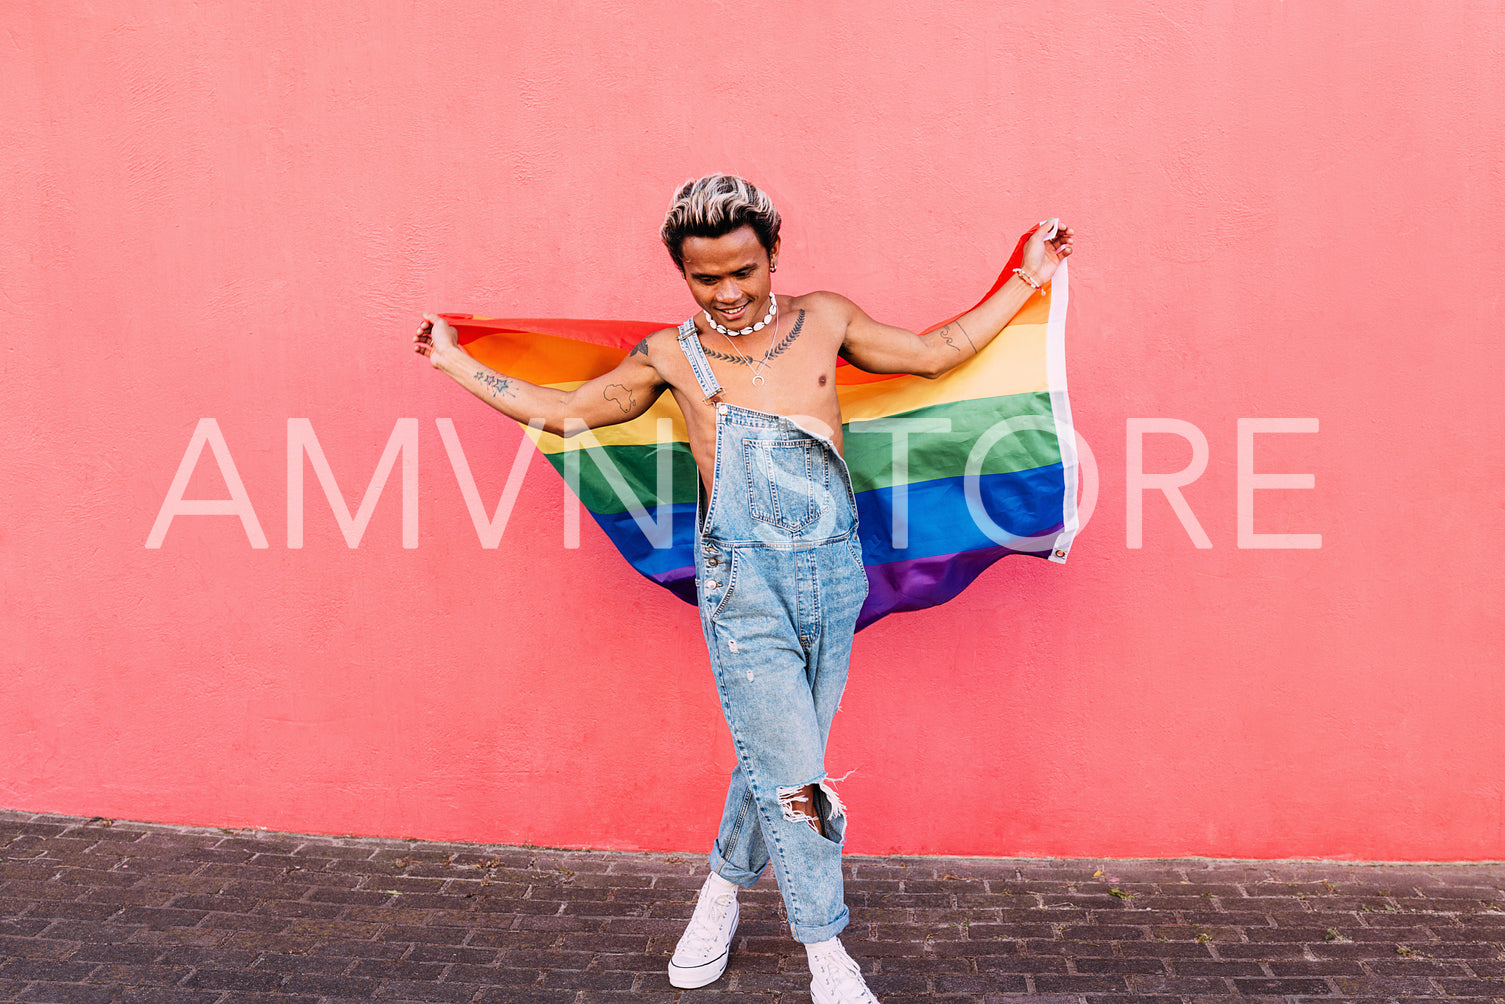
<point x="1016" y="446"/>
<point x="1009" y="421"/>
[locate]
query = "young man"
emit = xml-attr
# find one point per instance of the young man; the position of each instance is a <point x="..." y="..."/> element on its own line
<point x="779" y="569"/>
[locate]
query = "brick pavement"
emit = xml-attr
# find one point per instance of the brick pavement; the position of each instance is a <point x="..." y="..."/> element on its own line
<point x="94" y="910"/>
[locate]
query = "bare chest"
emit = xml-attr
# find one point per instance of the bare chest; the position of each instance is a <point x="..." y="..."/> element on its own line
<point x="789" y="368"/>
<point x="792" y="373"/>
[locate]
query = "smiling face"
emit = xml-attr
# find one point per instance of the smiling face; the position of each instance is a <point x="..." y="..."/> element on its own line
<point x="729" y="275"/>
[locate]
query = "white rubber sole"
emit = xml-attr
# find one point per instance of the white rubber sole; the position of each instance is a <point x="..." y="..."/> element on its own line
<point x="694" y="977"/>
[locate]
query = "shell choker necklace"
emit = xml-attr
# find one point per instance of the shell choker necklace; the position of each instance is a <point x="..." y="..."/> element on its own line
<point x="773" y="309"/>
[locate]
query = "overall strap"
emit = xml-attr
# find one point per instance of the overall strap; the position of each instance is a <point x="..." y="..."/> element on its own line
<point x="689" y="343"/>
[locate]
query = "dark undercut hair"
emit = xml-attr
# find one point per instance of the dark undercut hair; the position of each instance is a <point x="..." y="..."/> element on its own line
<point x="714" y="206"/>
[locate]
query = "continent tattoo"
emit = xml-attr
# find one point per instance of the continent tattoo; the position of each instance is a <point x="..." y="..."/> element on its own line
<point x="621" y="396"/>
<point x="773" y="353"/>
<point x="499" y="385"/>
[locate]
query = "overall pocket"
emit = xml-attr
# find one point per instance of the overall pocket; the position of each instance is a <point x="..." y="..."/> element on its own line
<point x="724" y="574"/>
<point x="854" y="548"/>
<point x="788" y="481"/>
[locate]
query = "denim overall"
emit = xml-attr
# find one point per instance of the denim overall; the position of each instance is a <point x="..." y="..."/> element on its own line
<point x="780" y="581"/>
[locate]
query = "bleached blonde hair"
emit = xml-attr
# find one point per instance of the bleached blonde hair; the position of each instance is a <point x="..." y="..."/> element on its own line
<point x="714" y="206"/>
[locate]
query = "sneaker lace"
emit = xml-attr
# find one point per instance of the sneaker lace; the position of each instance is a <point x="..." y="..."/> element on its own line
<point x="704" y="929"/>
<point x="840" y="972"/>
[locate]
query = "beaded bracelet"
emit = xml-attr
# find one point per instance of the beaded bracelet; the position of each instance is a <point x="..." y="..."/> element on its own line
<point x="1021" y="273"/>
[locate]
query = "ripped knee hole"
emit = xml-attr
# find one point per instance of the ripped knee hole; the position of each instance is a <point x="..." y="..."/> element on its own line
<point x="794" y="803"/>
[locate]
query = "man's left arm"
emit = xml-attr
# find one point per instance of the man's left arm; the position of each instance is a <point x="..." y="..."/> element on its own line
<point x="882" y="348"/>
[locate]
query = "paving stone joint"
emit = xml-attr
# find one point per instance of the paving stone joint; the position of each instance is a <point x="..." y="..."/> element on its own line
<point x="96" y="910"/>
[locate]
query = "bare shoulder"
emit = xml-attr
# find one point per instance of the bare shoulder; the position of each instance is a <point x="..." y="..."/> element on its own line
<point x="650" y="348"/>
<point x="824" y="303"/>
<point x="657" y="358"/>
<point x="826" y="311"/>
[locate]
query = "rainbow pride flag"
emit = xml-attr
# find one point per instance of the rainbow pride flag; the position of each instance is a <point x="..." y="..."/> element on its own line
<point x="950" y="474"/>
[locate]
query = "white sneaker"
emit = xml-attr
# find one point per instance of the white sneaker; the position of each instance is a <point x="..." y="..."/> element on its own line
<point x="836" y="977"/>
<point x="700" y="957"/>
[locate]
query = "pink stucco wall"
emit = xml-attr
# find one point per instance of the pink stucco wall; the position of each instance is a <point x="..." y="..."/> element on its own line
<point x="1286" y="210"/>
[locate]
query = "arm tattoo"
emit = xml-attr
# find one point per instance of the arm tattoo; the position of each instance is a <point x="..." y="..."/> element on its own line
<point x="945" y="335"/>
<point x="968" y="337"/>
<point x="640" y="347"/>
<point x="499" y="385"/>
<point x="621" y="396"/>
<point x="777" y="350"/>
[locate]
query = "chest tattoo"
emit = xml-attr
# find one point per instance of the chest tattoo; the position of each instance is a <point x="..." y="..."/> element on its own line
<point x="773" y="353"/>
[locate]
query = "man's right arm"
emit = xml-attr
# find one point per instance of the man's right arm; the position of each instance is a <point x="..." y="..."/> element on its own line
<point x="622" y="394"/>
